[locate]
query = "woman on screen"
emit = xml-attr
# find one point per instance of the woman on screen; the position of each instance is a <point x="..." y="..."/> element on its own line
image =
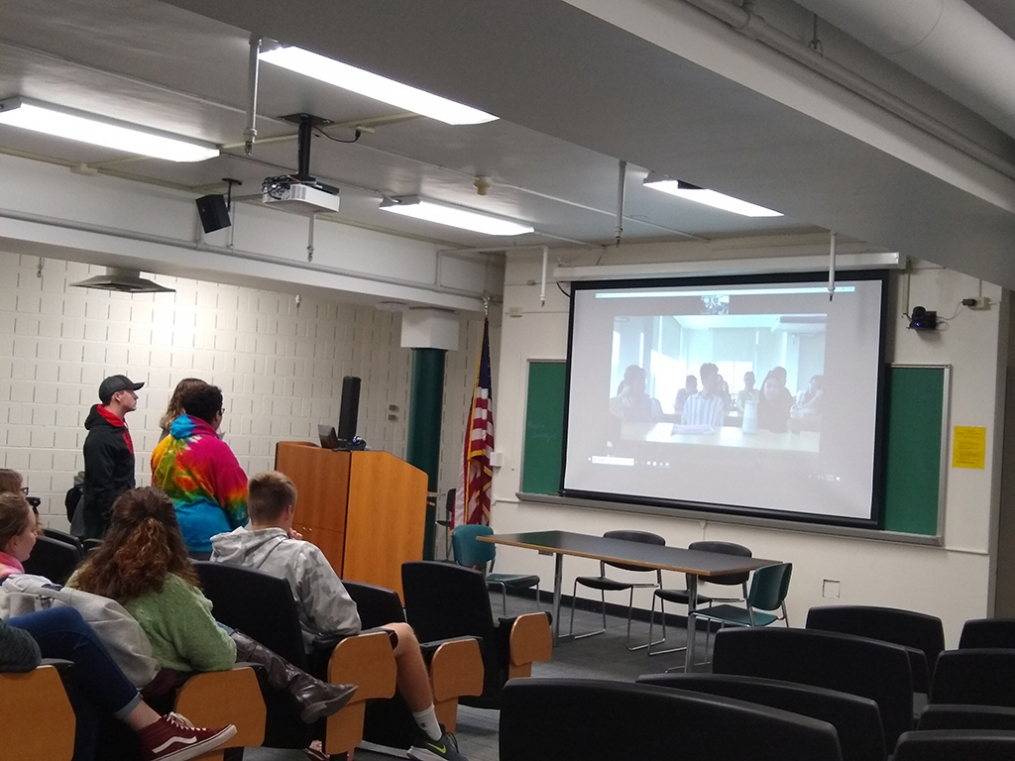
<point x="632" y="404"/>
<point x="774" y="405"/>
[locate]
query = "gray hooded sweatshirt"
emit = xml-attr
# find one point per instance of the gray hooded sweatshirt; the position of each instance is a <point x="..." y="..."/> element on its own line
<point x="323" y="603"/>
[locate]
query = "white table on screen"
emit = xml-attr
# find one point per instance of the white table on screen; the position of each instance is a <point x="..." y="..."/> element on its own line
<point x="727" y="436"/>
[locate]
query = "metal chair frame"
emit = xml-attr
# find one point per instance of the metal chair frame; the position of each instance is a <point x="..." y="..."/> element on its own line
<point x="741" y="579"/>
<point x="589" y="581"/>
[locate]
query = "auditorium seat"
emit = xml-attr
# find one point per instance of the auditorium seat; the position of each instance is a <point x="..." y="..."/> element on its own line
<point x="448" y="601"/>
<point x="856" y="719"/>
<point x="582" y="719"/>
<point x="923" y="632"/>
<point x="870" y="668"/>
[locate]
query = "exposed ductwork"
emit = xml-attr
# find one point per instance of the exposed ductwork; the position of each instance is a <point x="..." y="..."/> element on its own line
<point x="944" y="42"/>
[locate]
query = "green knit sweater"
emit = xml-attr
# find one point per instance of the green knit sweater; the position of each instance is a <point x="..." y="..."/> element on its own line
<point x="181" y="628"/>
<point x="183" y="633"/>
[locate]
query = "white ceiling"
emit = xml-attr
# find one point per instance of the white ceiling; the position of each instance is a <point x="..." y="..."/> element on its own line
<point x="154" y="64"/>
<point x="586" y="92"/>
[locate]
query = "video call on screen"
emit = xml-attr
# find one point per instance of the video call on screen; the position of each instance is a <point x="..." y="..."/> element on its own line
<point x="752" y="395"/>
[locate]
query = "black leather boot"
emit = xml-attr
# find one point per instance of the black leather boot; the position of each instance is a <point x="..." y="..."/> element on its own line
<point x="316" y="699"/>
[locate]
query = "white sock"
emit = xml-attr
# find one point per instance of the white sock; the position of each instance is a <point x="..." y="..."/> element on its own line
<point x="426" y="720"/>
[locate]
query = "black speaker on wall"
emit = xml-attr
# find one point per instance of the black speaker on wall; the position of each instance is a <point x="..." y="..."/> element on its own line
<point x="348" y="414"/>
<point x="214" y="212"/>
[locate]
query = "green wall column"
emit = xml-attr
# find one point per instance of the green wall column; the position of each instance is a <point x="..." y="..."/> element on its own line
<point x="423" y="448"/>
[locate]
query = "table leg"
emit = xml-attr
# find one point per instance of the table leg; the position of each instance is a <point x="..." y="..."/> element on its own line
<point x="558" y="573"/>
<point x="692" y="621"/>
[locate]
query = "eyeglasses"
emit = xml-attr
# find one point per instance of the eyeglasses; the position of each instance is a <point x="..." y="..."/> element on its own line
<point x="222" y="410"/>
<point x="24" y="490"/>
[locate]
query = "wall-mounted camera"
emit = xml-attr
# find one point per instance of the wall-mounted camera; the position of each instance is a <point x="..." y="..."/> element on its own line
<point x="922" y="319"/>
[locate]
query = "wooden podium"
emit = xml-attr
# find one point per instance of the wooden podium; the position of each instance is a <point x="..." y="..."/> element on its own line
<point x="365" y="510"/>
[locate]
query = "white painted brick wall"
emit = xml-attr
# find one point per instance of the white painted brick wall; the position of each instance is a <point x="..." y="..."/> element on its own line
<point x="280" y="369"/>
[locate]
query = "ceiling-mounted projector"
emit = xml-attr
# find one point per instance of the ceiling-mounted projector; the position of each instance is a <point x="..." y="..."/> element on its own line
<point x="291" y="194"/>
<point x="301" y="193"/>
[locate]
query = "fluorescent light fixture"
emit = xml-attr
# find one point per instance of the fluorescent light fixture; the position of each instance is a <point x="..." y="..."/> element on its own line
<point x="413" y="206"/>
<point x="99" y="130"/>
<point x="374" y="86"/>
<point x="708" y="197"/>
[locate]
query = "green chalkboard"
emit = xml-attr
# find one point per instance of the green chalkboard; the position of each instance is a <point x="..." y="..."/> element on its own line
<point x="913" y="449"/>
<point x="914" y="442"/>
<point x="544" y="428"/>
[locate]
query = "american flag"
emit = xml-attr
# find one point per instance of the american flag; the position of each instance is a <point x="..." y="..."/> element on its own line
<point x="472" y="499"/>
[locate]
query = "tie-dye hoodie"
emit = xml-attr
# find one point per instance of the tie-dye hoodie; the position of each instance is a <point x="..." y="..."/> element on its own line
<point x="200" y="474"/>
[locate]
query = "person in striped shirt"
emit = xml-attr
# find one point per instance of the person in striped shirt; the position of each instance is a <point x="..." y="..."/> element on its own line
<point x="708" y="406"/>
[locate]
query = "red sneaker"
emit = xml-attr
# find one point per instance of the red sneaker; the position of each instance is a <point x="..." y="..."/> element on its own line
<point x="173" y="738"/>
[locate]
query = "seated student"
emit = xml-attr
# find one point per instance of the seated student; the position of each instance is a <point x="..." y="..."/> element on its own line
<point x="708" y="406"/>
<point x="748" y="393"/>
<point x="631" y="403"/>
<point x="690" y="389"/>
<point x="11" y="481"/>
<point x="62" y="633"/>
<point x="809" y="401"/>
<point x="199" y="471"/>
<point x="774" y="405"/>
<point x="271" y="546"/>
<point x="142" y="563"/>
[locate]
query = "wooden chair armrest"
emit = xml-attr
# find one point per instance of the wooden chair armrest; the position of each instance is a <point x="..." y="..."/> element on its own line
<point x="456" y="669"/>
<point x="218" y="698"/>
<point x="36" y="718"/>
<point x="530" y="641"/>
<point x="367" y="661"/>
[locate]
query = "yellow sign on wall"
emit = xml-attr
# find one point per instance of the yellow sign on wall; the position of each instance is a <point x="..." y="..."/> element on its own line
<point x="969" y="447"/>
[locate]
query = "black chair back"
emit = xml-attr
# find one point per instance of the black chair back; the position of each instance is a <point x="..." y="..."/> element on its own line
<point x="988" y="632"/>
<point x="856" y="719"/>
<point x="376" y="605"/>
<point x="723" y="548"/>
<point x="579" y="720"/>
<point x="953" y="716"/>
<point x="262" y="607"/>
<point x="63" y="536"/>
<point x="444" y="600"/>
<point x="953" y="744"/>
<point x="53" y="559"/>
<point x="647" y="537"/>
<point x="241" y="596"/>
<point x="869" y="668"/>
<point x="984" y="676"/>
<point x="903" y="627"/>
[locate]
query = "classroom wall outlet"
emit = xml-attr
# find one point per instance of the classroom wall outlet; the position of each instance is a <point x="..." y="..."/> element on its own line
<point x="980" y="303"/>
<point x="830" y="589"/>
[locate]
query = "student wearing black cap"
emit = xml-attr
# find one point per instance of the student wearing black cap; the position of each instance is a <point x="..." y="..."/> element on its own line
<point x="109" y="452"/>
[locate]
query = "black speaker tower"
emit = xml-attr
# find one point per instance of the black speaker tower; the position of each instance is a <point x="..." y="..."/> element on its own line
<point x="348" y="415"/>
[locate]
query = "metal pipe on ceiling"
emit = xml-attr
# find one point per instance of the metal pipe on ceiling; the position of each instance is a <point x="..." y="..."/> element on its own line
<point x="943" y="42"/>
<point x="756" y="28"/>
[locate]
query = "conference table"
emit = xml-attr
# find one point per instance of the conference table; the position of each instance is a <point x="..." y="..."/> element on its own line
<point x="695" y="563"/>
